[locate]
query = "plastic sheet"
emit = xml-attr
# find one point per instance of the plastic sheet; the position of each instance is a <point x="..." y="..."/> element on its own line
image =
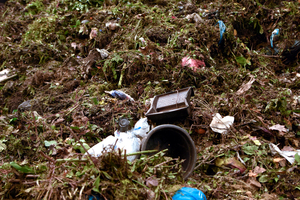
<point x="187" y="193"/>
<point x="129" y="141"/>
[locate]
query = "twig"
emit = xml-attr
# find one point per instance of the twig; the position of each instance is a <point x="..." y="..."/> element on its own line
<point x="204" y="162"/>
<point x="37" y="135"/>
<point x="75" y="136"/>
<point x="46" y="156"/>
<point x="164" y="163"/>
<point x="165" y="194"/>
<point x="72" y="109"/>
<point x="80" y="193"/>
<point x="83" y="160"/>
<point x="140" y="184"/>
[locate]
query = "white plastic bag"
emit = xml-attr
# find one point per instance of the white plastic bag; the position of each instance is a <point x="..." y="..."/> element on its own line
<point x="106" y="144"/>
<point x="129" y="141"/>
<point x="221" y="125"/>
<point x="141" y="128"/>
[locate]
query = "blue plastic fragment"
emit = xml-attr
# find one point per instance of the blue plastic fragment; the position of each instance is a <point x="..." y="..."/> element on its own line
<point x="95" y="197"/>
<point x="119" y="95"/>
<point x="187" y="193"/>
<point x="85" y="21"/>
<point x="275" y="32"/>
<point x="222" y="28"/>
<point x="297" y="43"/>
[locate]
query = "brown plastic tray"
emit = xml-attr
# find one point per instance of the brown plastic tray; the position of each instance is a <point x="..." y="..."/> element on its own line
<point x="175" y="104"/>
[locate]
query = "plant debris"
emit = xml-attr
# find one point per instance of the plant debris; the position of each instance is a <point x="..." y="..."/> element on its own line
<point x="58" y="59"/>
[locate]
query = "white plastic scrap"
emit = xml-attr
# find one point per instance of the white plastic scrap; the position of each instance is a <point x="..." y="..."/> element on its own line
<point x="194" y="17"/>
<point x="143" y="41"/>
<point x="4" y="75"/>
<point x="103" y="52"/>
<point x="289" y="155"/>
<point x="241" y="160"/>
<point x="221" y="125"/>
<point x="129" y="141"/>
<point x="112" y="26"/>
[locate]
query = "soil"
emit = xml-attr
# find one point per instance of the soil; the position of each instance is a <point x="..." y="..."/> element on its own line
<point x="50" y="48"/>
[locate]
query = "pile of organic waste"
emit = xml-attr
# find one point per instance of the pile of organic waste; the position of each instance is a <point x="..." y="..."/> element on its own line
<point x="60" y="60"/>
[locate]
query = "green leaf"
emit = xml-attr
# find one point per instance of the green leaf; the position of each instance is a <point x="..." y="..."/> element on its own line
<point x="246" y="159"/>
<point x="96" y="184"/>
<point x="107" y="175"/>
<point x="75" y="127"/>
<point x="24" y="169"/>
<point x="13" y="120"/>
<point x="264" y="178"/>
<point x="95" y="100"/>
<point x="77" y="145"/>
<point x="2" y="146"/>
<point x="49" y="143"/>
<point x="250" y="149"/>
<point x="242" y="61"/>
<point x="261" y="30"/>
<point x="297" y="158"/>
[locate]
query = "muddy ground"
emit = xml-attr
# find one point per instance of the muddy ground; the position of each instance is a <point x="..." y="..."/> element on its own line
<point x="64" y="54"/>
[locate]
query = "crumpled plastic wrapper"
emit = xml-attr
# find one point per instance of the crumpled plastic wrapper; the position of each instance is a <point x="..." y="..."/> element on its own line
<point x="221" y="125"/>
<point x="194" y="64"/>
<point x="289" y="155"/>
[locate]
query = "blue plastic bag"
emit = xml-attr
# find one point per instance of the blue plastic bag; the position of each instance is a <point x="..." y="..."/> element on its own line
<point x="275" y="32"/>
<point x="222" y="28"/>
<point x="187" y="193"/>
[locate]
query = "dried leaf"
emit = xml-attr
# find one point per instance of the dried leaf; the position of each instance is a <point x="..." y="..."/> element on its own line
<point x="259" y="170"/>
<point x="235" y="32"/>
<point x="277" y="160"/>
<point x="245" y="87"/>
<point x="291" y="169"/>
<point x="151" y="181"/>
<point x="278" y="127"/>
<point x="287" y="148"/>
<point x="252" y="174"/>
<point x="255" y="183"/>
<point x="296" y="143"/>
<point x="233" y="163"/>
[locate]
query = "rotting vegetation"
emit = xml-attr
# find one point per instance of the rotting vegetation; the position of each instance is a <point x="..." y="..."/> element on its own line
<point x="50" y="46"/>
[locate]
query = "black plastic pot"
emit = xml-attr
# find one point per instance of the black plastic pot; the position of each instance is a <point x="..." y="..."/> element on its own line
<point x="177" y="141"/>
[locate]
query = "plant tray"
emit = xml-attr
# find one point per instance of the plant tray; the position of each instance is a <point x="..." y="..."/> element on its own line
<point x="170" y="105"/>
